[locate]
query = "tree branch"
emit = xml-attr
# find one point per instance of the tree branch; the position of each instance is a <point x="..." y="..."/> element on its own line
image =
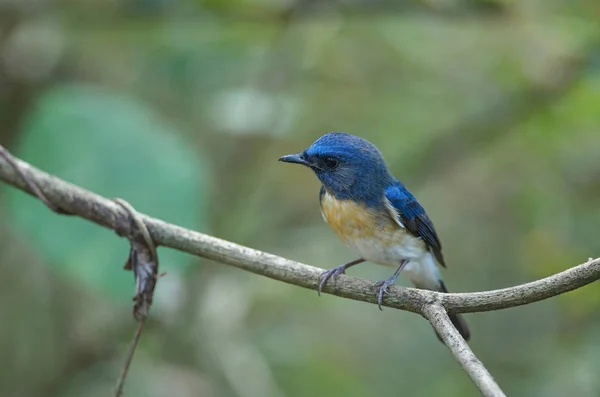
<point x="432" y="305"/>
<point x="438" y="317"/>
<point x="107" y="213"/>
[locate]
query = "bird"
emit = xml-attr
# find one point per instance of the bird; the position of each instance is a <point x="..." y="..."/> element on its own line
<point x="375" y="214"/>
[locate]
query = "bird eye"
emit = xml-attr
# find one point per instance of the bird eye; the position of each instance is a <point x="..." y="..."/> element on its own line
<point x="331" y="162"/>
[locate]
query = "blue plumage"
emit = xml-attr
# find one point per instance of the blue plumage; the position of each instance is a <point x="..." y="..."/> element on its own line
<point x="414" y="218"/>
<point x="374" y="213"/>
<point x="360" y="174"/>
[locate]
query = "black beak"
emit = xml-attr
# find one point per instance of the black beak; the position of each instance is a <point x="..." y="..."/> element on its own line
<point x="294" y="158"/>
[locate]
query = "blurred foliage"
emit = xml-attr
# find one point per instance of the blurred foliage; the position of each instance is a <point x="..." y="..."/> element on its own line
<point x="487" y="109"/>
<point x="114" y="147"/>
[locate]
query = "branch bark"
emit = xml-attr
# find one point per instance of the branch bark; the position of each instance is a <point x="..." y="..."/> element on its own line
<point x="438" y="317"/>
<point x="432" y="305"/>
<point x="107" y="213"/>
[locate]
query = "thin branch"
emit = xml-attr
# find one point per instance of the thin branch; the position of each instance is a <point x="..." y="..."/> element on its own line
<point x="5" y="154"/>
<point x="107" y="213"/>
<point x="143" y="261"/>
<point x="484" y="381"/>
<point x="557" y="284"/>
<point x="129" y="357"/>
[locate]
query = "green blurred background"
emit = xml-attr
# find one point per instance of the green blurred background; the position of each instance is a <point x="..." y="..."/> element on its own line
<point x="488" y="110"/>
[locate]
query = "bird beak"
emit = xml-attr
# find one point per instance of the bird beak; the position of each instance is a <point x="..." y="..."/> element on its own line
<point x="294" y="158"/>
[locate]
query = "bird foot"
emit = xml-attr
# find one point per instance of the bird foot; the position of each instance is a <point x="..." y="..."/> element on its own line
<point x="383" y="289"/>
<point x="331" y="273"/>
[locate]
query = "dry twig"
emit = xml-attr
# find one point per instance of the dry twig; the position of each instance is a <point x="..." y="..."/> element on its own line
<point x="143" y="261"/>
<point x="438" y="317"/>
<point x="129" y="357"/>
<point x="32" y="186"/>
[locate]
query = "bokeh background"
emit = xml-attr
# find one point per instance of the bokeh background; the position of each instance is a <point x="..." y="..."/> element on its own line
<point x="488" y="110"/>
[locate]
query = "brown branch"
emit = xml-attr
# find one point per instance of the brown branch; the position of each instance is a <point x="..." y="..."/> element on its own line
<point x="129" y="357"/>
<point x="32" y="186"/>
<point x="107" y="213"/>
<point x="438" y="317"/>
<point x="432" y="305"/>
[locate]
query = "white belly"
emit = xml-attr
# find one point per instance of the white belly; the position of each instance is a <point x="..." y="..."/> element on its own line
<point x="421" y="269"/>
<point x="389" y="253"/>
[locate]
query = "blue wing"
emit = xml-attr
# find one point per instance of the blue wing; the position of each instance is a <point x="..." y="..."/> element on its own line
<point x="414" y="218"/>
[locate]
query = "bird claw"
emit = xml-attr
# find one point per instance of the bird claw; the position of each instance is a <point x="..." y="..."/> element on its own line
<point x="383" y="289"/>
<point x="331" y="273"/>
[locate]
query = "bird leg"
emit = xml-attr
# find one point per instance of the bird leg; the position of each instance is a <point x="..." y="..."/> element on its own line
<point x="336" y="271"/>
<point x="383" y="285"/>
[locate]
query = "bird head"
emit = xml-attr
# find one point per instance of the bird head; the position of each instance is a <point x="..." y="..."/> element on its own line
<point x="349" y="167"/>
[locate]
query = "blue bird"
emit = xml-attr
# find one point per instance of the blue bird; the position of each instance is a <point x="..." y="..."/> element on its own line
<point x="374" y="213"/>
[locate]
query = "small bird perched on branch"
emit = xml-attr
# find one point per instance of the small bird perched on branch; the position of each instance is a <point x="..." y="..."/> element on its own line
<point x="374" y="213"/>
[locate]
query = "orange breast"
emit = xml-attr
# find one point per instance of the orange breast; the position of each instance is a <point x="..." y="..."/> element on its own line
<point x="350" y="220"/>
